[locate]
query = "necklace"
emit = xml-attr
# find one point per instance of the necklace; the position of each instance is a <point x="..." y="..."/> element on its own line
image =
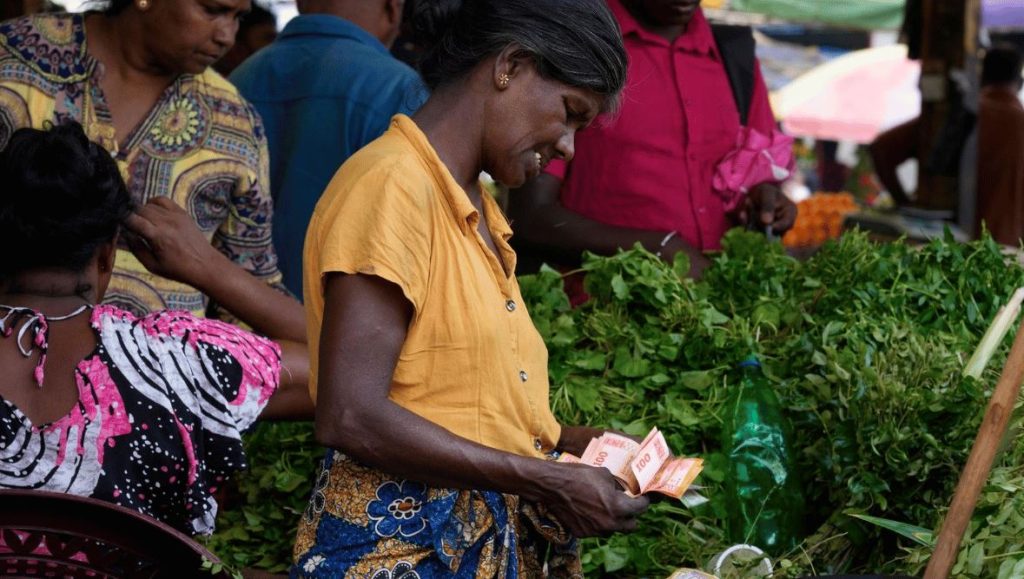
<point x="39" y="325"/>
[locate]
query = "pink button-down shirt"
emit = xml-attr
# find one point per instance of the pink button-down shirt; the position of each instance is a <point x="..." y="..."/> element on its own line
<point x="651" y="165"/>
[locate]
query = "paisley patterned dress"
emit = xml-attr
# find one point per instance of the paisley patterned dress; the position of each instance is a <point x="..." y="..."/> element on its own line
<point x="202" y="146"/>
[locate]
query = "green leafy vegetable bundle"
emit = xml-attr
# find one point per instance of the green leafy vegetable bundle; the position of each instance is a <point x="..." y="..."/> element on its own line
<point x="256" y="526"/>
<point x="865" y="344"/>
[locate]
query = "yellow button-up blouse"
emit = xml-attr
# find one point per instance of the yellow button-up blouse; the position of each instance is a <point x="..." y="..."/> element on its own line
<point x="473" y="361"/>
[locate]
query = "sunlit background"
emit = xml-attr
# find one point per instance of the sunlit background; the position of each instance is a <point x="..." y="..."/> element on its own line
<point x="284" y="10"/>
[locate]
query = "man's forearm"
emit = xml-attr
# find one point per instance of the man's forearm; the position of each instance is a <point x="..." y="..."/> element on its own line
<point x="566" y="235"/>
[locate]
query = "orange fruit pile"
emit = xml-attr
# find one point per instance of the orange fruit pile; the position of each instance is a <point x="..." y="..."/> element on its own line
<point x="819" y="218"/>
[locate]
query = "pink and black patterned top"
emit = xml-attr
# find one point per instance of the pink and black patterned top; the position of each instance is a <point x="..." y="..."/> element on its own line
<point x="163" y="401"/>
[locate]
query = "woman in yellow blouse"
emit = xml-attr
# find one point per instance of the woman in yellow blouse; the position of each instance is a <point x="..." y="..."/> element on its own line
<point x="137" y="77"/>
<point x="431" y="380"/>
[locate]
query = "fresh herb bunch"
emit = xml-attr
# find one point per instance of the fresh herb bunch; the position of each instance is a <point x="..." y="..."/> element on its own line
<point x="865" y="344"/>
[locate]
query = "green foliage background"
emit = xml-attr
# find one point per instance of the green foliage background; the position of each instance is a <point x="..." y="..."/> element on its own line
<point x="865" y="344"/>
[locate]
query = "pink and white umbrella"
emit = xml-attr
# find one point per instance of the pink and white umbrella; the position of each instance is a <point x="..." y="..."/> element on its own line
<point x="852" y="98"/>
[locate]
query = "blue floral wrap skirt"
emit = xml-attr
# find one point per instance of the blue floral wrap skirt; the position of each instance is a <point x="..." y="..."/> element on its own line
<point x="363" y="523"/>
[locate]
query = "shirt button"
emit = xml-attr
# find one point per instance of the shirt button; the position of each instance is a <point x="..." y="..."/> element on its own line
<point x="523" y="375"/>
<point x="537" y="444"/>
<point x="510" y="305"/>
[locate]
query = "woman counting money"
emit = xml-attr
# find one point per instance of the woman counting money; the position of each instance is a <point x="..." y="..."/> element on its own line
<point x="431" y="380"/>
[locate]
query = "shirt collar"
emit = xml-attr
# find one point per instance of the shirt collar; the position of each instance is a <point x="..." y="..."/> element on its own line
<point x="697" y="38"/>
<point x="496" y="219"/>
<point x="461" y="208"/>
<point x="328" y="25"/>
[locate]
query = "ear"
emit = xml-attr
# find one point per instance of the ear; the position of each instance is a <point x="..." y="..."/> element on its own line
<point x="105" y="257"/>
<point x="393" y="11"/>
<point x="512" y="61"/>
<point x="389" y="24"/>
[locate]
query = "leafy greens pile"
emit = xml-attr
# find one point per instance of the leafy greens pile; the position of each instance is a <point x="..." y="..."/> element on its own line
<point x="865" y="344"/>
<point x="256" y="527"/>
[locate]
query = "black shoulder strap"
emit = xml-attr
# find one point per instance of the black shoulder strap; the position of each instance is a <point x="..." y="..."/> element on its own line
<point x="736" y="46"/>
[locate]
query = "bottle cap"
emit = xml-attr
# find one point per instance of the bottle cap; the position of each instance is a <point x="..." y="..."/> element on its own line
<point x="751" y="361"/>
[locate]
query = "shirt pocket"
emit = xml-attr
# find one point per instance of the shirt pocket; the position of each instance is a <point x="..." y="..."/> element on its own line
<point x="712" y="119"/>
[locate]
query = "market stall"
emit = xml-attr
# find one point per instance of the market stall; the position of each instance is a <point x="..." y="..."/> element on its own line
<point x="864" y="344"/>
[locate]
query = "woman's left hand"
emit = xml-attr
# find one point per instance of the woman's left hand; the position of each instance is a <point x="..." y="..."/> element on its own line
<point x="167" y="241"/>
<point x="767" y="206"/>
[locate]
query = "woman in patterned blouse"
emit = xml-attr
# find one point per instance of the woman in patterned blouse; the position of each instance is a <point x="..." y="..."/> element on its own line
<point x="145" y="412"/>
<point x="137" y="77"/>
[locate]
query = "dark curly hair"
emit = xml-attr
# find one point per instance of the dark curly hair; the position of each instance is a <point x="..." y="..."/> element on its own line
<point x="61" y="198"/>
<point x="576" y="42"/>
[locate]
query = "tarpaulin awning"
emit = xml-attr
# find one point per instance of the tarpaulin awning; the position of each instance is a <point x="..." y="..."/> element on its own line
<point x="870" y="14"/>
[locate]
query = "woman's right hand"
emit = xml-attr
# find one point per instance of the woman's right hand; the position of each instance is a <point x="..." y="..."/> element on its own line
<point x="167" y="241"/>
<point x="589" y="502"/>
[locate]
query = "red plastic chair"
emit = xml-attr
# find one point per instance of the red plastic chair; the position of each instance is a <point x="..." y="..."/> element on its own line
<point x="44" y="534"/>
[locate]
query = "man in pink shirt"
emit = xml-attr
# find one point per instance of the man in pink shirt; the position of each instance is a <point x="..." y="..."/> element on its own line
<point x="669" y="169"/>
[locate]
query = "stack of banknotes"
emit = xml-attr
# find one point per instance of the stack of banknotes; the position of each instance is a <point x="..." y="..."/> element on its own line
<point x="644" y="467"/>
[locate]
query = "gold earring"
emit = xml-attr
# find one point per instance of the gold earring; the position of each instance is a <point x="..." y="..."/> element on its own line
<point x="503" y="80"/>
<point x="143" y="4"/>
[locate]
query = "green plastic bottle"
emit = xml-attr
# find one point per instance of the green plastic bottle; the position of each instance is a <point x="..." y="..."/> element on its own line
<point x="764" y="504"/>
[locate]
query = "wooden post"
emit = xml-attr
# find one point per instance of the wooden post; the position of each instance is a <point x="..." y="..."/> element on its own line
<point x="979" y="464"/>
<point x="942" y="51"/>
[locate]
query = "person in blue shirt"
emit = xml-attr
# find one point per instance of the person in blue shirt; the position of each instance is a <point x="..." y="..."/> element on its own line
<point x="325" y="88"/>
